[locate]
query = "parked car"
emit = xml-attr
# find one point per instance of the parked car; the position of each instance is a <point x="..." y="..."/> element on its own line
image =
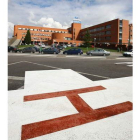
<point x="36" y="49"/>
<point x="60" y="47"/>
<point x="28" y="50"/>
<point x="73" y="45"/>
<point x="98" y="52"/>
<point x="13" y="49"/>
<point x="129" y="53"/>
<point x="50" y="51"/>
<point x="73" y="51"/>
<point x="68" y="45"/>
<point x="10" y="49"/>
<point x="65" y="46"/>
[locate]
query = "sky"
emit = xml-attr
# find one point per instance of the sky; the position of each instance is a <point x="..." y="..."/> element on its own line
<point x="60" y="13"/>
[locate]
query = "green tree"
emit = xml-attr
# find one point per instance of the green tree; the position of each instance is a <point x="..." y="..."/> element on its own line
<point x="27" y="39"/>
<point x="87" y="39"/>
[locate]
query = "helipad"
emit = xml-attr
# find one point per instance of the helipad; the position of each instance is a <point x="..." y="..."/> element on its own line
<point x="64" y="105"/>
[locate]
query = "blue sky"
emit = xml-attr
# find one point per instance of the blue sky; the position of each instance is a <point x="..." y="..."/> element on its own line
<point x="60" y="13"/>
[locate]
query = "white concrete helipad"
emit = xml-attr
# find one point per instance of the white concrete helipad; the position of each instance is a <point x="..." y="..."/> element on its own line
<point x="64" y="105"/>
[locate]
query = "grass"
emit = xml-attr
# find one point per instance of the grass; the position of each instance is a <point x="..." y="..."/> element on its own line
<point x="24" y="46"/>
<point x="89" y="49"/>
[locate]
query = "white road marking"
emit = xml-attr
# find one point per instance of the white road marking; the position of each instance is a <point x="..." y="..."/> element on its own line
<point x="15" y="54"/>
<point x="43" y="65"/>
<point x="15" y="78"/>
<point x="61" y="68"/>
<point x="130" y="65"/>
<point x="85" y="57"/>
<point x="72" y="56"/>
<point x="43" y="55"/>
<point x="16" y="63"/>
<point x="123" y="63"/>
<point x="122" y="58"/>
<point x="93" y="75"/>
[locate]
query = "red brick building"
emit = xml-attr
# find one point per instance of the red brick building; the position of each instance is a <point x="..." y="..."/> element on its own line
<point x="117" y="32"/>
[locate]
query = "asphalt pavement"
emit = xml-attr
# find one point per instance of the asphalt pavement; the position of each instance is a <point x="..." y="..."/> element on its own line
<point x="93" y="67"/>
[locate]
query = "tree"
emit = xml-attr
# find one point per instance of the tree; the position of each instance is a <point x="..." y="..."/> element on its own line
<point x="87" y="39"/>
<point x="27" y="39"/>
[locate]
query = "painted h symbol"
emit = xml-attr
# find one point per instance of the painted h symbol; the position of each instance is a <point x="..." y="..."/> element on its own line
<point x="86" y="113"/>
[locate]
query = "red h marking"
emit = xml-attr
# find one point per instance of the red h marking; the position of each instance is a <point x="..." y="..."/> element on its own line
<point x="86" y="113"/>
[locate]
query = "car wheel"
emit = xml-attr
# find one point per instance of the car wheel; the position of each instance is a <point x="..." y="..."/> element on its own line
<point x="65" y="53"/>
<point x="104" y="54"/>
<point x="54" y="53"/>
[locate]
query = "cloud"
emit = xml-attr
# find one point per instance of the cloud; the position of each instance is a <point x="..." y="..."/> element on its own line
<point x="46" y="22"/>
<point x="10" y="29"/>
<point x="60" y="13"/>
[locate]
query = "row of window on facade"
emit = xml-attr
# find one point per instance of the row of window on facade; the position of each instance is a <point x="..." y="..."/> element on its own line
<point x="98" y="29"/>
<point x="42" y="30"/>
<point x="103" y="38"/>
<point x="68" y="38"/>
<point x="35" y="38"/>
<point x="37" y="34"/>
<point x="100" y="34"/>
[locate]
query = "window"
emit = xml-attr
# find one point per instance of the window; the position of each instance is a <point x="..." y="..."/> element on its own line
<point x="108" y="38"/>
<point x="108" y="26"/>
<point x="120" y="23"/>
<point x="102" y="28"/>
<point x="120" y="41"/>
<point x="120" y="35"/>
<point x="108" y="32"/>
<point x="68" y="38"/>
<point x="102" y="33"/>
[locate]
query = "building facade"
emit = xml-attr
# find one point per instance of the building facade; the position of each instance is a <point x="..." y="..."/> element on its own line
<point x="118" y="32"/>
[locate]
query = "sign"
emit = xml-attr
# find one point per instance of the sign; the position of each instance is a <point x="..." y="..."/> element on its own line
<point x="76" y="20"/>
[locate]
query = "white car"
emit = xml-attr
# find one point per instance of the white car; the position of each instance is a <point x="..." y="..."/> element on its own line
<point x="129" y="53"/>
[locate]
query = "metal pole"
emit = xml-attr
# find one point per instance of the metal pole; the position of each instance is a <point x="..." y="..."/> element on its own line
<point x="128" y="45"/>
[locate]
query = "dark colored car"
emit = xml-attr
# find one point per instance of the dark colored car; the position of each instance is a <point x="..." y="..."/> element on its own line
<point x="29" y="50"/>
<point x="60" y="47"/>
<point x="36" y="49"/>
<point x="13" y="49"/>
<point x="98" y="52"/>
<point x="73" y="51"/>
<point x="50" y="51"/>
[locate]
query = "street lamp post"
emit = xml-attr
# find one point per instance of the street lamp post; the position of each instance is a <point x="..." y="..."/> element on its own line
<point x="128" y="45"/>
<point x="94" y="42"/>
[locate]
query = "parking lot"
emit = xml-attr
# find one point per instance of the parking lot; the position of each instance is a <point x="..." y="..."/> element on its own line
<point x="92" y="67"/>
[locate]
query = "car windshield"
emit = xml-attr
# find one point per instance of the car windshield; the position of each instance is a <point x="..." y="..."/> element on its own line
<point x="96" y="50"/>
